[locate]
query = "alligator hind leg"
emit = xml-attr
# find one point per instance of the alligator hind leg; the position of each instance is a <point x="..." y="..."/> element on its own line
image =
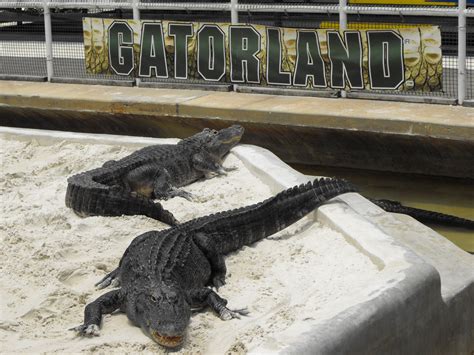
<point x="105" y="304"/>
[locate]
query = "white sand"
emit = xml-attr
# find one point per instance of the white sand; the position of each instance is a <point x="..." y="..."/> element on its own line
<point x="51" y="258"/>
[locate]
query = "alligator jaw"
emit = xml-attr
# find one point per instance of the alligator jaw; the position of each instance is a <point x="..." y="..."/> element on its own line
<point x="167" y="341"/>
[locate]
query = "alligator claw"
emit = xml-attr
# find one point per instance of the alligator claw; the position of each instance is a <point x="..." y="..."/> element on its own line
<point x="109" y="280"/>
<point x="105" y="282"/>
<point x="87" y="330"/>
<point x="188" y="196"/>
<point x="218" y="281"/>
<point x="227" y="314"/>
<point x="222" y="171"/>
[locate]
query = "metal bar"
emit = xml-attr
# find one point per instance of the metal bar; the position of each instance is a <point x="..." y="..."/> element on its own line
<point x="90" y="4"/>
<point x="289" y="8"/>
<point x="136" y="17"/>
<point x="461" y="51"/>
<point x="343" y="27"/>
<point x="186" y="6"/>
<point x="48" y="40"/>
<point x="204" y="6"/>
<point x="234" y="15"/>
<point x="234" y="12"/>
<point x="136" y="10"/>
<point x="406" y="11"/>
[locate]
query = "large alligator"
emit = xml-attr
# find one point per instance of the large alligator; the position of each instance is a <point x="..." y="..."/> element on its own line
<point x="163" y="274"/>
<point x="128" y="186"/>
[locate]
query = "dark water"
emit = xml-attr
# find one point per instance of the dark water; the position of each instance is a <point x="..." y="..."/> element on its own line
<point x="446" y="195"/>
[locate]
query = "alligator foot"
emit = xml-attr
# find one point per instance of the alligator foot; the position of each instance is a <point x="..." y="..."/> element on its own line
<point x="227" y="314"/>
<point x="87" y="330"/>
<point x="184" y="194"/>
<point x="218" y="305"/>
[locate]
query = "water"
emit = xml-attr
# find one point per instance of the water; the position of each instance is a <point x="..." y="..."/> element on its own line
<point x="446" y="195"/>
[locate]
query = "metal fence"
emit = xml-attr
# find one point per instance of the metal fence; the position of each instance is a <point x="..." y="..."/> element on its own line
<point x="43" y="40"/>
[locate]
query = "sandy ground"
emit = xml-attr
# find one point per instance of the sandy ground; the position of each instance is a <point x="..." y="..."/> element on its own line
<point x="51" y="258"/>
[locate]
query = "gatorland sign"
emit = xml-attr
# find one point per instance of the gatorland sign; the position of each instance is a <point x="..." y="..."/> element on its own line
<point x="372" y="59"/>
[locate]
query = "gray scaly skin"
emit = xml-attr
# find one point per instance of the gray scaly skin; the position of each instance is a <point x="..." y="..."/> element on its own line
<point x="424" y="216"/>
<point x="163" y="274"/>
<point x="129" y="185"/>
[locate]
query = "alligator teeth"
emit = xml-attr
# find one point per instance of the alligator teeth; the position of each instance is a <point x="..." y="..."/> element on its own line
<point x="168" y="341"/>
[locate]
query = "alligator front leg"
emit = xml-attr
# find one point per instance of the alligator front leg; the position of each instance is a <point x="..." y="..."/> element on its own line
<point x="206" y="296"/>
<point x="207" y="245"/>
<point x="163" y="188"/>
<point x="105" y="304"/>
<point x="209" y="165"/>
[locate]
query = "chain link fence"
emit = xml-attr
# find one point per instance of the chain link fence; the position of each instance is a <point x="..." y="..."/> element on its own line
<point x="24" y="50"/>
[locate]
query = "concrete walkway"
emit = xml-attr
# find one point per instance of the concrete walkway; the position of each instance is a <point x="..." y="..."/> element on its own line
<point x="395" y="136"/>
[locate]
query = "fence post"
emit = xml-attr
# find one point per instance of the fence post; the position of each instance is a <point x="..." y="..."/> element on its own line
<point x="343" y="27"/>
<point x="136" y="10"/>
<point x="461" y="51"/>
<point x="234" y="13"/>
<point x="234" y="18"/>
<point x="48" y="40"/>
<point x="136" y="17"/>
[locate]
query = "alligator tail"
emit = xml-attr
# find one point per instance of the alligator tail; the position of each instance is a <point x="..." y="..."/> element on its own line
<point x="233" y="229"/>
<point x="88" y="198"/>
<point x="425" y="216"/>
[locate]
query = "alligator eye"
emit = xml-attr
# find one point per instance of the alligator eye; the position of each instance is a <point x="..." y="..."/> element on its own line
<point x="154" y="299"/>
<point x="214" y="131"/>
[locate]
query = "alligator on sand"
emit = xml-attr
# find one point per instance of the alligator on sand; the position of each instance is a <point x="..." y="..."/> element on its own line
<point x="128" y="186"/>
<point x="163" y="274"/>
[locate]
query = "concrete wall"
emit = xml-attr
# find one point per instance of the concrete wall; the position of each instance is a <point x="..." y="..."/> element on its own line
<point x="390" y="136"/>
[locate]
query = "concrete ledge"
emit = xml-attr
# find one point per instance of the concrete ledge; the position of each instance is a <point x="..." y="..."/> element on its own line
<point x="420" y="302"/>
<point x="378" y="135"/>
<point x="422" y="283"/>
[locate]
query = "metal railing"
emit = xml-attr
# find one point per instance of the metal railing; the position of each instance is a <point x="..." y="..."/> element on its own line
<point x="57" y="52"/>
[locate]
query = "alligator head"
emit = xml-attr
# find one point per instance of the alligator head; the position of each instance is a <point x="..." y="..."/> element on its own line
<point x="163" y="313"/>
<point x="220" y="142"/>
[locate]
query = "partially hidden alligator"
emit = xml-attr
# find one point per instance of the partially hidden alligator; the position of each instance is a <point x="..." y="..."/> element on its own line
<point x="164" y="274"/>
<point x="129" y="186"/>
<point x="424" y="216"/>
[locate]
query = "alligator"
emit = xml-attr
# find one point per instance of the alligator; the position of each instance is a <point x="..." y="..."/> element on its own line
<point x="424" y="216"/>
<point x="129" y="186"/>
<point x="164" y="274"/>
